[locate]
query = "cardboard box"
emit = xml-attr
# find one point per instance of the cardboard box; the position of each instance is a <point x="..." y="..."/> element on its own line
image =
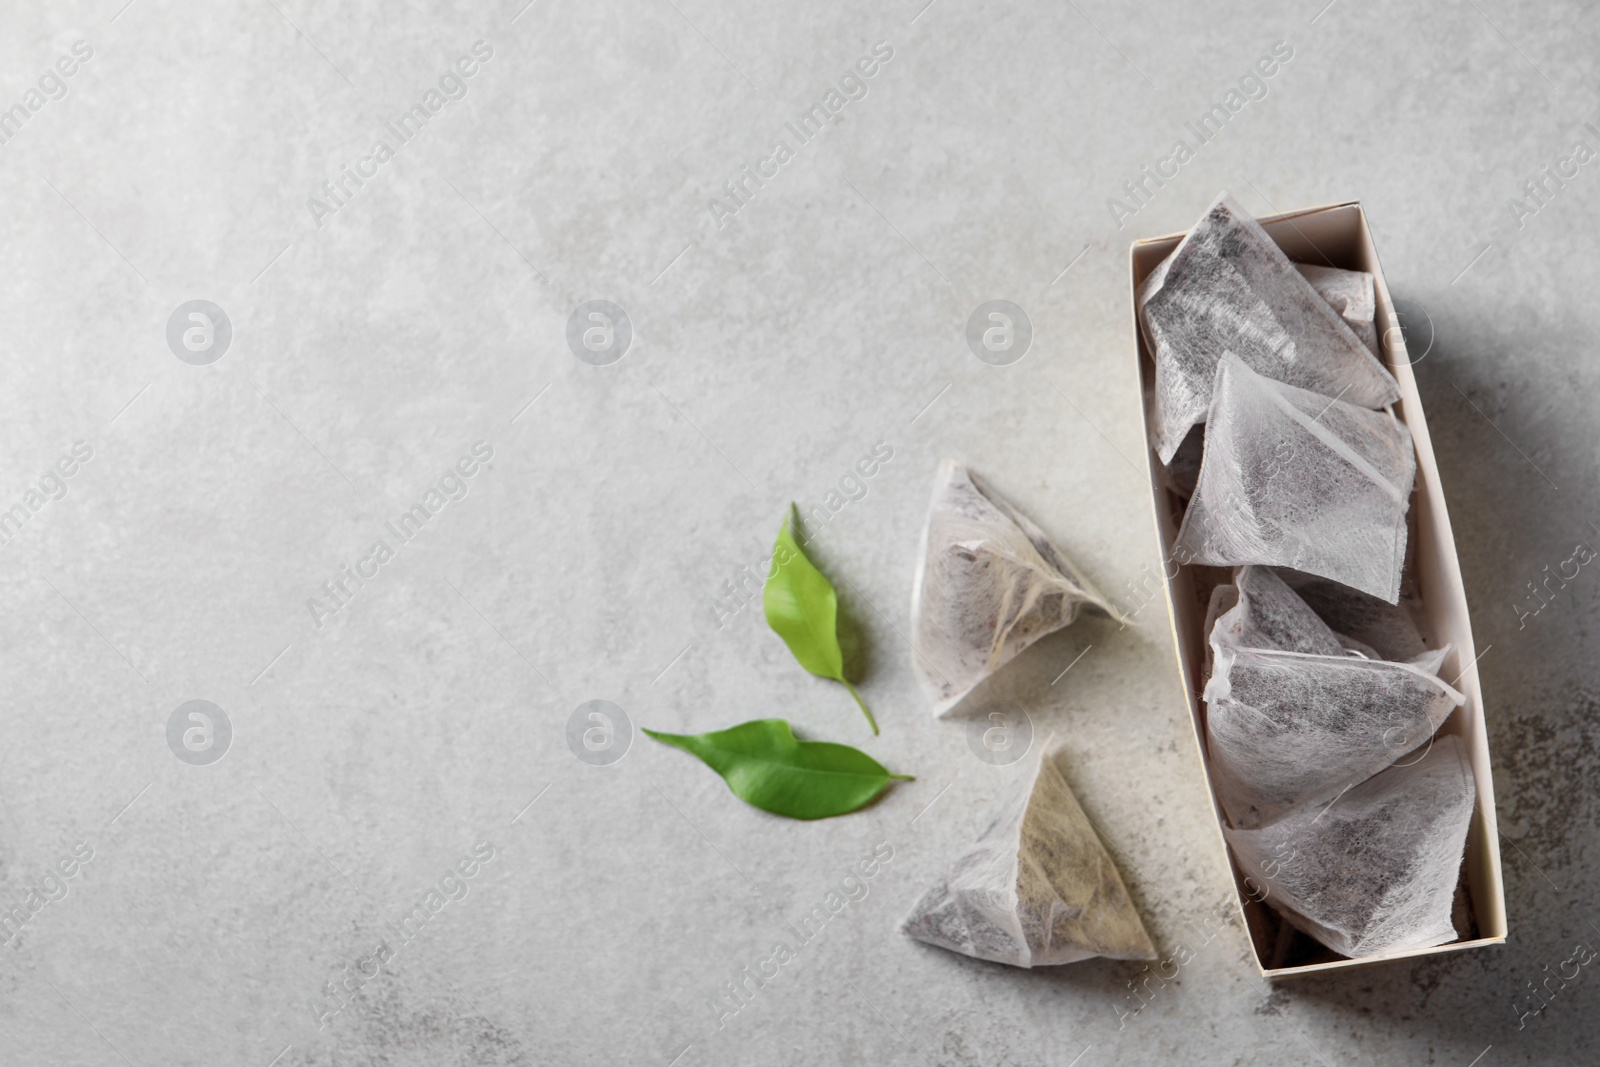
<point x="1337" y="235"/>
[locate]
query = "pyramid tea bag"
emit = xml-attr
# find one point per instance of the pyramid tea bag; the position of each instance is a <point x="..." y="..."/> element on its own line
<point x="1228" y="287"/>
<point x="1292" y="717"/>
<point x="1352" y="293"/>
<point x="1296" y="479"/>
<point x="1036" y="889"/>
<point x="989" y="583"/>
<point x="1376" y="871"/>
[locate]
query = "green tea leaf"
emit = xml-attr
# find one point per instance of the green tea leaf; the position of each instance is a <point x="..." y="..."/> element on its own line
<point x="767" y="766"/>
<point x="803" y="609"/>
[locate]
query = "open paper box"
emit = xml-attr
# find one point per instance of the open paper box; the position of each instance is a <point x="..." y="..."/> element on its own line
<point x="1337" y="235"/>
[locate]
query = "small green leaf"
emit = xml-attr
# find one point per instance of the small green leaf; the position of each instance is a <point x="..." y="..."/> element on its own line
<point x="803" y="609"/>
<point x="766" y="765"/>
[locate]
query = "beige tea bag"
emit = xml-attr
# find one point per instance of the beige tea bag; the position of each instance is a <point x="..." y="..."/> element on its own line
<point x="1036" y="889"/>
<point x="1228" y="288"/>
<point x="1375" y="871"/>
<point x="989" y="583"/>
<point x="1352" y="293"/>
<point x="1295" y="479"/>
<point x="1293" y="716"/>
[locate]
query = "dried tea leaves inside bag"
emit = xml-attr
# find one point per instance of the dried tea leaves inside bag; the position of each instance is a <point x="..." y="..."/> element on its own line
<point x="1036" y="889"/>
<point x="1292" y="718"/>
<point x="1377" y="870"/>
<point x="1292" y="478"/>
<point x="989" y="583"/>
<point x="1228" y="287"/>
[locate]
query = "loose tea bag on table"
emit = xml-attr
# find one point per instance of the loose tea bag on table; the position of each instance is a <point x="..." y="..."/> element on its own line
<point x="989" y="583"/>
<point x="1036" y="889"/>
<point x="1376" y="871"/>
<point x="1296" y="479"/>
<point x="1228" y="287"/>
<point x="1292" y="717"/>
<point x="1352" y="293"/>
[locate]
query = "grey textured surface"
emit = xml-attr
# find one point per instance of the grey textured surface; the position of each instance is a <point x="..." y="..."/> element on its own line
<point x="369" y="353"/>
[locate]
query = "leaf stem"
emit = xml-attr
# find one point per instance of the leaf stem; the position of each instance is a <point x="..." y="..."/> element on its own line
<point x="870" y="720"/>
<point x="903" y="777"/>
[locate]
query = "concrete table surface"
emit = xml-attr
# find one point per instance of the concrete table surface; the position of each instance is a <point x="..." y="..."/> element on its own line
<point x="392" y="212"/>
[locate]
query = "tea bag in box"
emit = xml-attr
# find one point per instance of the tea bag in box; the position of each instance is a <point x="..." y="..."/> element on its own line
<point x="1296" y="479"/>
<point x="1375" y="871"/>
<point x="1293" y="718"/>
<point x="1228" y="287"/>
